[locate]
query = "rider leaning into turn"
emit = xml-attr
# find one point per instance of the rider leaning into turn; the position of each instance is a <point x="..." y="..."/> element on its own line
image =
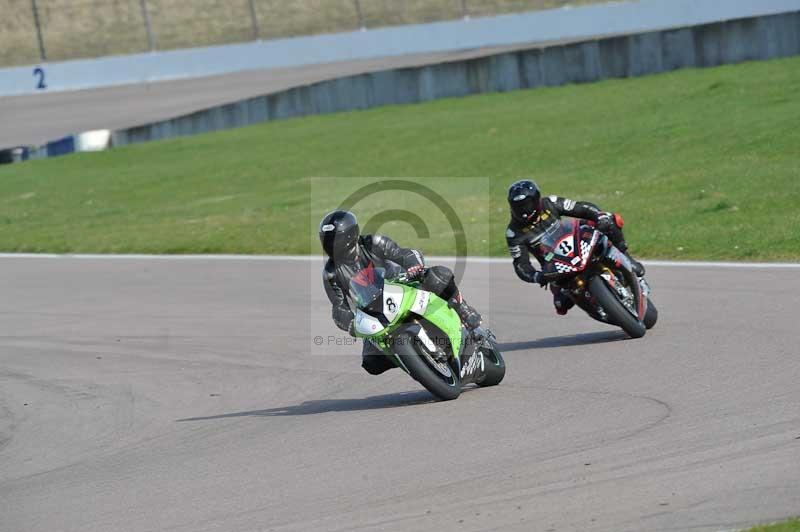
<point x="349" y="252"/>
<point x="530" y="216"/>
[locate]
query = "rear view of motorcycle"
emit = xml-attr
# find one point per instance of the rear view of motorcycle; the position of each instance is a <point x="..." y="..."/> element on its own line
<point x="584" y="264"/>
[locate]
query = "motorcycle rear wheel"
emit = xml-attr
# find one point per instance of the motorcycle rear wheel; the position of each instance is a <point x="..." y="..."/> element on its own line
<point x="494" y="365"/>
<point x="651" y="316"/>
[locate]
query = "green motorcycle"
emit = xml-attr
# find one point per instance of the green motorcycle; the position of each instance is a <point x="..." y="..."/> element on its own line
<point x="422" y="335"/>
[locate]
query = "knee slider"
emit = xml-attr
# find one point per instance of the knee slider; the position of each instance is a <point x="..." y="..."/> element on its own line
<point x="376" y="364"/>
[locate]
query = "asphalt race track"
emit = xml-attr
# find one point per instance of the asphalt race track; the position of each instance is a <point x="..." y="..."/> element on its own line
<point x="186" y="395"/>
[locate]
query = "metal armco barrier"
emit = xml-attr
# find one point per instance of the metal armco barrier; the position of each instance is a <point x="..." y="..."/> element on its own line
<point x="642" y="54"/>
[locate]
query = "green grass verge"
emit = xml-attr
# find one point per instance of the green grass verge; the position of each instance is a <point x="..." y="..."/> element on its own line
<point x="793" y="525"/>
<point x="703" y="164"/>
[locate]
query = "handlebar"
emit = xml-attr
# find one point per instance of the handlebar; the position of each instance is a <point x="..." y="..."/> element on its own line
<point x="403" y="277"/>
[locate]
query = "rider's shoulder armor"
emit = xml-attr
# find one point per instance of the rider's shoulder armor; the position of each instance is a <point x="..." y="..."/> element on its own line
<point x="560" y="205"/>
<point x="550" y="207"/>
<point x="373" y="247"/>
<point x="373" y="242"/>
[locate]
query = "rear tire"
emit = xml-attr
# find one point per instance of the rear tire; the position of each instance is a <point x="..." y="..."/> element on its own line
<point x="651" y="316"/>
<point x="407" y="347"/>
<point x="616" y="311"/>
<point x="494" y="365"/>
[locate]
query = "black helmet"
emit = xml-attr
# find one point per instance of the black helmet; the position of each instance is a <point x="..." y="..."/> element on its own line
<point x="338" y="234"/>
<point x="523" y="198"/>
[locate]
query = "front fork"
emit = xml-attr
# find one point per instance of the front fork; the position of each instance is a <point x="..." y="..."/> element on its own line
<point x="427" y="344"/>
<point x="576" y="289"/>
<point x="637" y="287"/>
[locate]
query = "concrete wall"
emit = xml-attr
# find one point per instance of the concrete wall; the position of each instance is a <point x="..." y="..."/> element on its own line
<point x="540" y="26"/>
<point x="615" y="57"/>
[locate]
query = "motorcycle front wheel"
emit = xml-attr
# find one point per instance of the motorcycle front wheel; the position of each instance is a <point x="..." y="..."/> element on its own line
<point x="616" y="311"/>
<point x="438" y="378"/>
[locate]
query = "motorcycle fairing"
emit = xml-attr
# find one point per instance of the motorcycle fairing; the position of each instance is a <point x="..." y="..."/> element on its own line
<point x="567" y="249"/>
<point x="393" y="296"/>
<point x="398" y="301"/>
<point x="367" y="325"/>
<point x="439" y="313"/>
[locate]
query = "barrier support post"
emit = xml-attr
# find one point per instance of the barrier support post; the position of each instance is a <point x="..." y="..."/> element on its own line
<point x="360" y="15"/>
<point x="254" y="20"/>
<point x="148" y="26"/>
<point x="37" y="22"/>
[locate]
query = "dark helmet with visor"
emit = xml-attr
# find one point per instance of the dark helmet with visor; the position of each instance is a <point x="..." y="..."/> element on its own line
<point x="338" y="234"/>
<point x="524" y="199"/>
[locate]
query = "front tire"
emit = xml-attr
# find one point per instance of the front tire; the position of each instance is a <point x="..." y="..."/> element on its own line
<point x="413" y="357"/>
<point x="616" y="311"/>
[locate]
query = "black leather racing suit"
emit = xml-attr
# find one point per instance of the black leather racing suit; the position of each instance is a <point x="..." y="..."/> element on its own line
<point x="522" y="236"/>
<point x="382" y="252"/>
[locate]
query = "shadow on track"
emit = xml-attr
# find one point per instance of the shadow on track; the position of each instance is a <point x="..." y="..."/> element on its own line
<point x="393" y="400"/>
<point x="565" y="341"/>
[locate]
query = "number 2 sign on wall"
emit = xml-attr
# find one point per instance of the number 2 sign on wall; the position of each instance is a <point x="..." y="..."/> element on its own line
<point x="38" y="74"/>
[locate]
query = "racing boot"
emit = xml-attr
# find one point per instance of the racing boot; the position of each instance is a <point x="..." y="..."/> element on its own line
<point x="373" y="360"/>
<point x="638" y="267"/>
<point x="469" y="316"/>
<point x="561" y="301"/>
<point x="618" y="240"/>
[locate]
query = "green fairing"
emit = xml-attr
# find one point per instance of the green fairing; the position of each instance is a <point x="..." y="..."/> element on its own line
<point x="437" y="312"/>
<point x="441" y="315"/>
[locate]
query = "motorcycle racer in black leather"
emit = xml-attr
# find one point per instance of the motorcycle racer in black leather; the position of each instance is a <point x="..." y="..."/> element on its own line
<point x="530" y="214"/>
<point x="349" y="252"/>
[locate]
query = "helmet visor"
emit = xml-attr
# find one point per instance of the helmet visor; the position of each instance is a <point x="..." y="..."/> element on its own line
<point x="340" y="244"/>
<point x="526" y="208"/>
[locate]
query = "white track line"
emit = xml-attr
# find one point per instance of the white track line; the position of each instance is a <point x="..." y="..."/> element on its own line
<point x="318" y="258"/>
<point x="134" y="256"/>
<point x="706" y="264"/>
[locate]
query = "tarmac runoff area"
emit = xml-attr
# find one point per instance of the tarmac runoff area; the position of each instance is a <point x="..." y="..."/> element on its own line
<point x="188" y="395"/>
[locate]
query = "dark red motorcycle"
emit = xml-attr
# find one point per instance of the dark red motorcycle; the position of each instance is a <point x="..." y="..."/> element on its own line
<point x="583" y="263"/>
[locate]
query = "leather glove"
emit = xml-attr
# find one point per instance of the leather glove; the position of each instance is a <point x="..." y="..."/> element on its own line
<point x="414" y="272"/>
<point x="538" y="278"/>
<point x="343" y="318"/>
<point x="606" y="222"/>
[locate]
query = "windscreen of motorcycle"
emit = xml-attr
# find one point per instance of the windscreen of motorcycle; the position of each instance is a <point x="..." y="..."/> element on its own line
<point x="563" y="249"/>
<point x="558" y="241"/>
<point x="366" y="288"/>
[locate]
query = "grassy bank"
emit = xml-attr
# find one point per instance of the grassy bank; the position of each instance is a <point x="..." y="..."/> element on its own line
<point x="703" y="164"/>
